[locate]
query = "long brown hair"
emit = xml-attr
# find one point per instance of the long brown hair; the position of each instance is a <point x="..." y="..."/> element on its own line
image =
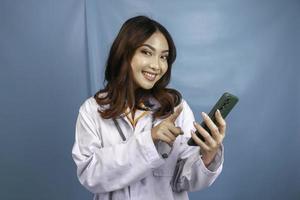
<point x="119" y="90"/>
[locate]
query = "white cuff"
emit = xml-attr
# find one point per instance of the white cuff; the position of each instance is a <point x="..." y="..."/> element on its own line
<point x="215" y="165"/>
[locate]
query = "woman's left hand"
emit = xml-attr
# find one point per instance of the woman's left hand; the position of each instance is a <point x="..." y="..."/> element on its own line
<point x="210" y="147"/>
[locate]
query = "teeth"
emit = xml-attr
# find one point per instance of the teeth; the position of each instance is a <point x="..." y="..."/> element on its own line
<point x="151" y="76"/>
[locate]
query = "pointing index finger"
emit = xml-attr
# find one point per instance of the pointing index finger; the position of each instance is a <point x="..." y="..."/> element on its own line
<point x="174" y="116"/>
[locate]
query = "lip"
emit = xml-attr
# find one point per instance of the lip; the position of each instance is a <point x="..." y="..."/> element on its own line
<point x="152" y="76"/>
<point x="151" y="72"/>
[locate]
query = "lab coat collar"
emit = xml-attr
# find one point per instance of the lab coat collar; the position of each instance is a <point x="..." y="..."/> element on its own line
<point x="151" y="104"/>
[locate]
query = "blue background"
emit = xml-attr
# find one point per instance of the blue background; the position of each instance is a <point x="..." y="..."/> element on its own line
<point x="52" y="55"/>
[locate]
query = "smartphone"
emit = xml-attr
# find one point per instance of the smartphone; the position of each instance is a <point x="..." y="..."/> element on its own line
<point x="225" y="105"/>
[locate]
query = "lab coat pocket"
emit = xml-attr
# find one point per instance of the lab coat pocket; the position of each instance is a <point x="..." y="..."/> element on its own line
<point x="167" y="169"/>
<point x="163" y="171"/>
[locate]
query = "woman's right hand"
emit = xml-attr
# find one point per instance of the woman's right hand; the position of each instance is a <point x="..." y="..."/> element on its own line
<point x="166" y="130"/>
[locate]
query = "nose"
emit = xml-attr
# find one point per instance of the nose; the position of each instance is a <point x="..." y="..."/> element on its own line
<point x="154" y="65"/>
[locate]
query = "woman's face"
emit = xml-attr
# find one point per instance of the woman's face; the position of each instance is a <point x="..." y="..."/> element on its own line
<point x="149" y="62"/>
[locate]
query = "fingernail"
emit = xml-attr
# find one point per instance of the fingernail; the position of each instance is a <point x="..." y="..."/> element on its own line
<point x="218" y="111"/>
<point x="204" y="114"/>
<point x="192" y="132"/>
<point x="195" y="123"/>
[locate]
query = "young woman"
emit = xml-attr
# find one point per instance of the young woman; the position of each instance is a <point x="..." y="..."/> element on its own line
<point x="124" y="131"/>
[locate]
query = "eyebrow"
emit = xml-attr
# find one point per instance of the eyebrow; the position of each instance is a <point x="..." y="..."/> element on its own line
<point x="153" y="49"/>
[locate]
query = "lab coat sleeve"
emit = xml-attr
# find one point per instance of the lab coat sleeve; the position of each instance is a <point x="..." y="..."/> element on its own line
<point x="190" y="173"/>
<point x="104" y="169"/>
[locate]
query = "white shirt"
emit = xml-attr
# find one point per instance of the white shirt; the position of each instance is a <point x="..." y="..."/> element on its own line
<point x="114" y="169"/>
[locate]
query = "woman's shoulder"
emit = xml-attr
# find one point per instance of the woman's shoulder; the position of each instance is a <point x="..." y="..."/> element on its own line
<point x="183" y="103"/>
<point x="89" y="105"/>
<point x="186" y="109"/>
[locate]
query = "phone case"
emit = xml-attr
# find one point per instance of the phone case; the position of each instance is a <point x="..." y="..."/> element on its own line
<point x="225" y="105"/>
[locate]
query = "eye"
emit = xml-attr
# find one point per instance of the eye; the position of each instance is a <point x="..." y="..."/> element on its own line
<point x="146" y="52"/>
<point x="165" y="57"/>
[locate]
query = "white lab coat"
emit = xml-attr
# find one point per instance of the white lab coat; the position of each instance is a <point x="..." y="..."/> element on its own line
<point x="114" y="169"/>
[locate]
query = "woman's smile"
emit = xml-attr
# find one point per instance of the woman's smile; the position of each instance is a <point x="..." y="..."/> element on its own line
<point x="149" y="76"/>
